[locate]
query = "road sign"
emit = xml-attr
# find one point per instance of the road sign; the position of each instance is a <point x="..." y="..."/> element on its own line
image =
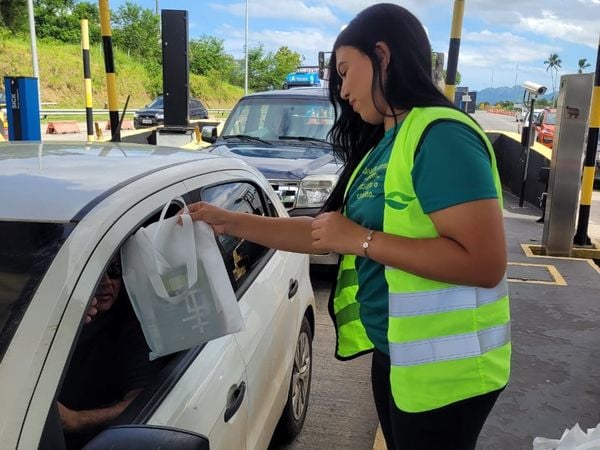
<point x="466" y="98"/>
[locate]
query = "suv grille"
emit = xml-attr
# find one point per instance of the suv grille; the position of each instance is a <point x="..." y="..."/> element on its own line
<point x="286" y="190"/>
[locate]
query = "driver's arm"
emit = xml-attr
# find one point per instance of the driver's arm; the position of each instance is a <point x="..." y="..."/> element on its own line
<point x="78" y="421"/>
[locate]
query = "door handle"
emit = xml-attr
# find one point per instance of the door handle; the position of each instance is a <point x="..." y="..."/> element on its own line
<point x="236" y="401"/>
<point x="293" y="288"/>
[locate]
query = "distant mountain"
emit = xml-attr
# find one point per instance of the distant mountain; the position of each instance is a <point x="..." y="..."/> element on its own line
<point x="503" y="94"/>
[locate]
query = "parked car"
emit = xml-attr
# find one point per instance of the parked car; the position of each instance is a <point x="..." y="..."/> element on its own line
<point x="67" y="208"/>
<point x="153" y="114"/>
<point x="544" y="127"/>
<point x="525" y="121"/>
<point x="284" y="134"/>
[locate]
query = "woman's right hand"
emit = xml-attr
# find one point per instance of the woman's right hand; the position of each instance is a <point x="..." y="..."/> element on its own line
<point x="218" y="218"/>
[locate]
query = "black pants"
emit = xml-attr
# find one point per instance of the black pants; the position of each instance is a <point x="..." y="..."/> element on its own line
<point x="452" y="427"/>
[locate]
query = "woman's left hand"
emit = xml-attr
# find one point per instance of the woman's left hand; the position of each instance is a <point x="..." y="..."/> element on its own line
<point x="333" y="232"/>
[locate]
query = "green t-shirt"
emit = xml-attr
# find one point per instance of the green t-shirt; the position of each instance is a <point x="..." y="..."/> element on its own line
<point x="452" y="166"/>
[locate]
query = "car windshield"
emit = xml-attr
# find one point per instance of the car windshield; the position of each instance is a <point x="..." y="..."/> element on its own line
<point x="551" y="118"/>
<point x="27" y="251"/>
<point x="156" y="104"/>
<point x="291" y="117"/>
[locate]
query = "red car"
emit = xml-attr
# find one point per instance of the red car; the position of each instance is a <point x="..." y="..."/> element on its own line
<point x="544" y="127"/>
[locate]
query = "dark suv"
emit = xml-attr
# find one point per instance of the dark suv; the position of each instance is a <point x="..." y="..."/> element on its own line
<point x="154" y="114"/>
<point x="284" y="135"/>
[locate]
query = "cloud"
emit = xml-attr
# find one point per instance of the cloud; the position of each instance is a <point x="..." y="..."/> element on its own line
<point x="280" y="9"/>
<point x="306" y="41"/>
<point x="488" y="49"/>
<point x="578" y="24"/>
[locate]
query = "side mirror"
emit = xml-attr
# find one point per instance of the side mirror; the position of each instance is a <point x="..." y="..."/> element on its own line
<point x="147" y="437"/>
<point x="209" y="134"/>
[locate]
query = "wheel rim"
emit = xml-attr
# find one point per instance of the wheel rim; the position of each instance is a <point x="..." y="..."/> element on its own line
<point x="301" y="376"/>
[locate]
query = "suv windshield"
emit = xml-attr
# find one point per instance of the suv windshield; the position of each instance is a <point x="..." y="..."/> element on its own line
<point x="271" y="117"/>
<point x="551" y="119"/>
<point x="27" y="251"/>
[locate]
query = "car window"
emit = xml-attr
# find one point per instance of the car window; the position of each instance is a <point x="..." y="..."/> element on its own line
<point x="26" y="252"/>
<point x="270" y="118"/>
<point x="241" y="257"/>
<point x="156" y="104"/>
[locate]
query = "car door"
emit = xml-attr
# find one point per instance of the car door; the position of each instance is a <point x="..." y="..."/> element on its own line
<point x="266" y="282"/>
<point x="208" y="397"/>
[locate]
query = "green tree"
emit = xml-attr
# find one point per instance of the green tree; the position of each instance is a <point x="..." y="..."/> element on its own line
<point x="13" y="15"/>
<point x="207" y="55"/>
<point x="137" y="31"/>
<point x="582" y="65"/>
<point x="553" y="63"/>
<point x="60" y="20"/>
<point x="283" y="62"/>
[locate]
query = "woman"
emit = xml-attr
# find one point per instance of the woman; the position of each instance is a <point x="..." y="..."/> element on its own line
<point x="417" y="216"/>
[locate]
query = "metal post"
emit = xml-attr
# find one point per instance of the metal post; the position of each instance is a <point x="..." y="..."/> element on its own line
<point x="34" y="55"/>
<point x="87" y="79"/>
<point x="589" y="166"/>
<point x="526" y="148"/>
<point x="455" y="33"/>
<point x="109" y="67"/>
<point x="246" y="48"/>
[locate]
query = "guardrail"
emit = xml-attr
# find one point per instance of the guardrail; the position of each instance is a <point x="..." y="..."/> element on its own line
<point x="102" y="111"/>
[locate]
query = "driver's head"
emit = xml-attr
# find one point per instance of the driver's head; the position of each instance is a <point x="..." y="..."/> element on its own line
<point x="109" y="287"/>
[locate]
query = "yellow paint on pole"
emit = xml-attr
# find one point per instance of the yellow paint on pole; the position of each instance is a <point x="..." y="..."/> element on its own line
<point x="104" y="17"/>
<point x="595" y="108"/>
<point x="111" y="86"/>
<point x="457" y="19"/>
<point x="587" y="185"/>
<point x="85" y="35"/>
<point x="449" y="91"/>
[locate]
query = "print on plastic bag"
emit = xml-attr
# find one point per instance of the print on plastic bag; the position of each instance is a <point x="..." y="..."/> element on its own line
<point x="178" y="284"/>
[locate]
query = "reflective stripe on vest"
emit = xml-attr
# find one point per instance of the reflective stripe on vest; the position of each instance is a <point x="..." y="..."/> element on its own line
<point x="444" y="300"/>
<point x="449" y="347"/>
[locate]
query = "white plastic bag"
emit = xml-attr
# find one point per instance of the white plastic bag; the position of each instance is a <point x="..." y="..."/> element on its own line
<point x="572" y="439"/>
<point x="178" y="284"/>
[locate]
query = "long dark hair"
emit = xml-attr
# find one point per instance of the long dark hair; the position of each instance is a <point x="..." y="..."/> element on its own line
<point x="408" y="82"/>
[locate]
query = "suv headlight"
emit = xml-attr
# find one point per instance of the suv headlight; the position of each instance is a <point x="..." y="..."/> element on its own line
<point x="314" y="190"/>
<point x="160" y="116"/>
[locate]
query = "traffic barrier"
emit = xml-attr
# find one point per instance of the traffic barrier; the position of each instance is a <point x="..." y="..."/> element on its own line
<point x="126" y="125"/>
<point x="64" y="127"/>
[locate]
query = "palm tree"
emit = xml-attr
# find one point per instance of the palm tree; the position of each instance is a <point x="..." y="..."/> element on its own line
<point x="583" y="64"/>
<point x="553" y="62"/>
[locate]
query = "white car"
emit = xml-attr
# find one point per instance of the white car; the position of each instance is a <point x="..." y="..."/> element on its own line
<point x="66" y="210"/>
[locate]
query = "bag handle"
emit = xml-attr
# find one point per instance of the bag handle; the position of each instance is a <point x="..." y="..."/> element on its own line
<point x="187" y="229"/>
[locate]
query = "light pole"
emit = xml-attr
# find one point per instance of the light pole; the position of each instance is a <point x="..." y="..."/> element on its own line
<point x="246" y="49"/>
<point x="34" y="55"/>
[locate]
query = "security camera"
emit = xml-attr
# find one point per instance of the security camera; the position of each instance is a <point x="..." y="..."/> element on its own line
<point x="534" y="88"/>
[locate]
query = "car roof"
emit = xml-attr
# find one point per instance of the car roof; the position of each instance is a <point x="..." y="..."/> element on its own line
<point x="55" y="182"/>
<point x="301" y="92"/>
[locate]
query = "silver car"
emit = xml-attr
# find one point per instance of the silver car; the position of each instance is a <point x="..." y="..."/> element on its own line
<point x="66" y="211"/>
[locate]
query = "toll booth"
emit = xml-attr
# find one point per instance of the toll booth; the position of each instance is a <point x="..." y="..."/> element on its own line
<point x="22" y="108"/>
<point x="568" y="148"/>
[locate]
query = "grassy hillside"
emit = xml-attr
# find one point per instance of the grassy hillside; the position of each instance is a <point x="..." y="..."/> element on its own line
<point x="61" y="76"/>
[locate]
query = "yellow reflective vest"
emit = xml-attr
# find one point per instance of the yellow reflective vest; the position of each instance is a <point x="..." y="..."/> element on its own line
<point x="446" y="342"/>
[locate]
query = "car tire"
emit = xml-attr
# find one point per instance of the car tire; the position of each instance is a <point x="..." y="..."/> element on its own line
<point x="294" y="412"/>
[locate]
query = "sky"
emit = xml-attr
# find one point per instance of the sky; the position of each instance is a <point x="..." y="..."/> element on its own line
<point x="504" y="42"/>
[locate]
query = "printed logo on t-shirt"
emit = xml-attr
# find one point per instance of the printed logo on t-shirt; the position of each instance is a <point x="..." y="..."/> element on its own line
<point x="371" y="183"/>
<point x="398" y="200"/>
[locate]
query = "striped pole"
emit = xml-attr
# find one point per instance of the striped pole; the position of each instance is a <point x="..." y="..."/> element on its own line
<point x="109" y="67"/>
<point x="587" y="185"/>
<point x="455" y="33"/>
<point x="87" y="79"/>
